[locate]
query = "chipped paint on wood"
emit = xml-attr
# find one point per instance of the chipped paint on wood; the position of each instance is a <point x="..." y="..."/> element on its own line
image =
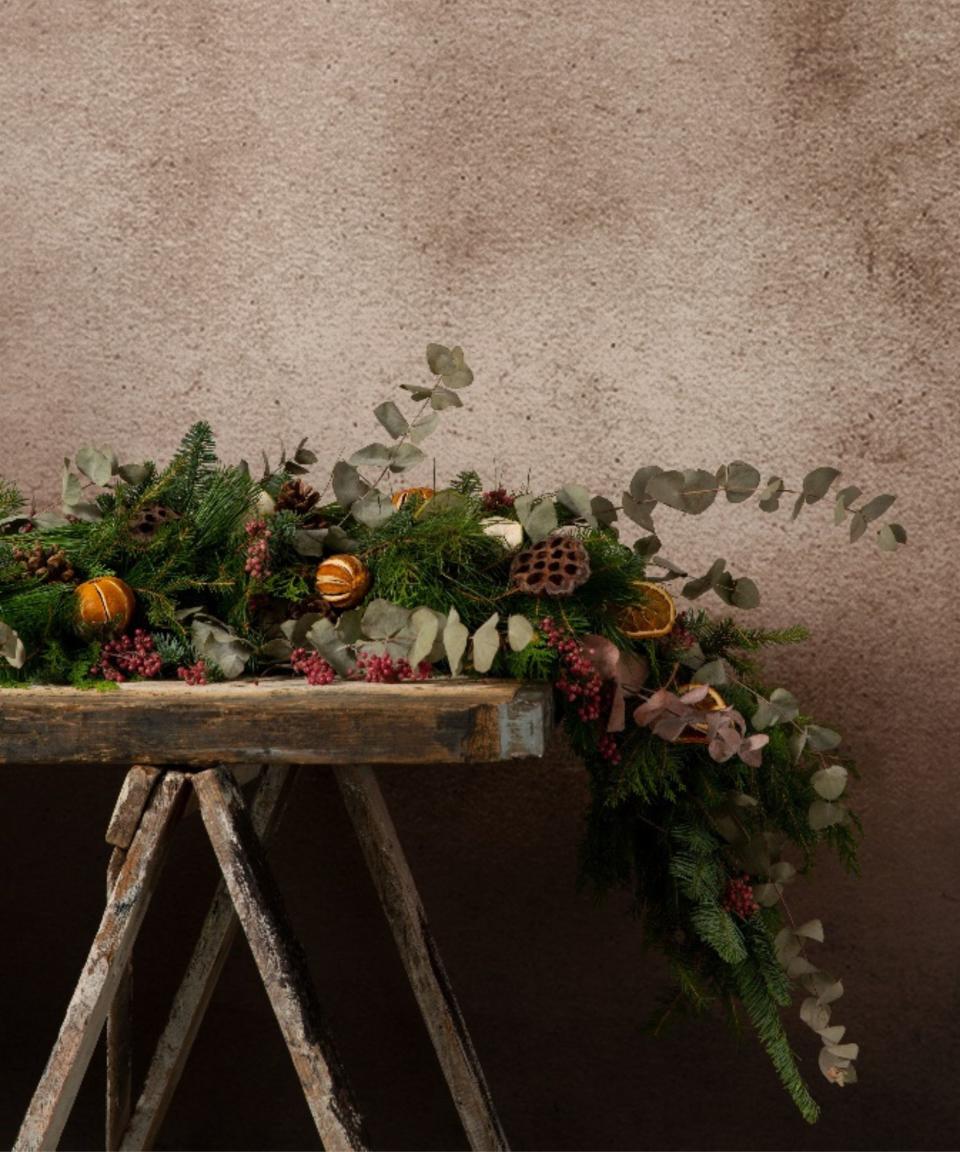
<point x="278" y="958"/>
<point x="134" y="794"/>
<point x="104" y="969"/>
<point x="401" y="903"/>
<point x="119" y="1029"/>
<point x="203" y="971"/>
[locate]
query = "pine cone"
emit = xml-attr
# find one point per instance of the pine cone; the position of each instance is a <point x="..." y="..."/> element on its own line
<point x="152" y="517"/>
<point x="50" y="564"/>
<point x="555" y="566"/>
<point x="295" y="496"/>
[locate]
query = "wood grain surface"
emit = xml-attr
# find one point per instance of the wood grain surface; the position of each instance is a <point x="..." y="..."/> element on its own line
<point x="442" y="721"/>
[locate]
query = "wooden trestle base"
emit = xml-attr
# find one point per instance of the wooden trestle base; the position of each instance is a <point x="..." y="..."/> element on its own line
<point x="194" y="748"/>
<point x="151" y="802"/>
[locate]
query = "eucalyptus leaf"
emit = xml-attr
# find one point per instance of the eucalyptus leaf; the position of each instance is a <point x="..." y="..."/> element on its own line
<point x="339" y="540"/>
<point x="886" y="539"/>
<point x="796" y="742"/>
<point x="70" y="489"/>
<point x="740" y="481"/>
<point x="295" y="631"/>
<point x="373" y="455"/>
<point x="764" y="716"/>
<point x="745" y="593"/>
<point x="824" y="814"/>
<point x="604" y="511"/>
<point x="96" y="464"/>
<point x="691" y="491"/>
<point x="830" y="782"/>
<point x="814" y="1014"/>
<point x="11" y="646"/>
<point x="638" y="482"/>
<point x="89" y="513"/>
<point x="348" y="484"/>
<point x="541" y="521"/>
<point x="439" y="359"/>
<point x="798" y="505"/>
<point x="442" y="398"/>
<point x="392" y="419"/>
<point x="817" y="483"/>
<point x="279" y="648"/>
<point x="373" y="509"/>
<point x="383" y="619"/>
<point x="422" y="428"/>
<point x="845" y="497"/>
<point x="576" y="498"/>
<point x="136" y="474"/>
<point x="455" y="636"/>
<point x="647" y="546"/>
<point x="324" y="638"/>
<point x="309" y="541"/>
<point x="766" y="895"/>
<point x="876" y="507"/>
<point x="417" y="391"/>
<point x="857" y="527"/>
<point x="821" y="739"/>
<point x="713" y="672"/>
<point x="486" y="644"/>
<point x="783" y="872"/>
<point x="785" y="704"/>
<point x="770" y="495"/>
<point x="405" y="456"/>
<point x="427" y="625"/>
<point x="639" y="513"/>
<point x="519" y="632"/>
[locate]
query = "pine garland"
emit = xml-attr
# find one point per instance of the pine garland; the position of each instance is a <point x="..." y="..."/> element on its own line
<point x="710" y="791"/>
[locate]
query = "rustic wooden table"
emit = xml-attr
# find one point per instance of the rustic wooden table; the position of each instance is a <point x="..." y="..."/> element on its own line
<point x="194" y="747"/>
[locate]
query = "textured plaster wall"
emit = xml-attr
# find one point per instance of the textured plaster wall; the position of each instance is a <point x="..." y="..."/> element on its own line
<point x="674" y="232"/>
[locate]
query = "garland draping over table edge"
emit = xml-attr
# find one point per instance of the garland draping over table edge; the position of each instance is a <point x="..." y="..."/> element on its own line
<point x="710" y="790"/>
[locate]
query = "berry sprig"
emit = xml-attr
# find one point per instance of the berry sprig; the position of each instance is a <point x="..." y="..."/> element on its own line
<point x="578" y="681"/>
<point x="497" y="499"/>
<point x="385" y="670"/>
<point x="193" y="674"/>
<point x="128" y="656"/>
<point x="312" y="665"/>
<point x="258" y="549"/>
<point x="738" y="899"/>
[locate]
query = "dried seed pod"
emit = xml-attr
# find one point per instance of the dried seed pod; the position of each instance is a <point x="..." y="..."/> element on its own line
<point x="296" y="496"/>
<point x="342" y="580"/>
<point x="151" y="518"/>
<point x="556" y="566"/>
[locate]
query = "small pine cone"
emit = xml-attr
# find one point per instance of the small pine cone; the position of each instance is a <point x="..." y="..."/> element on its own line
<point x="556" y="566"/>
<point x="151" y="518"/>
<point x="49" y="564"/>
<point x="295" y="496"/>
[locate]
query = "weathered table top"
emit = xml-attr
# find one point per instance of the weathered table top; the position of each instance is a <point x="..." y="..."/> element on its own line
<point x="276" y="721"/>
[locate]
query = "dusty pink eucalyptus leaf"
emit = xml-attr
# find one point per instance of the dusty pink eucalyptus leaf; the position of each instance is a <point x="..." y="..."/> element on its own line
<point x="751" y="749"/>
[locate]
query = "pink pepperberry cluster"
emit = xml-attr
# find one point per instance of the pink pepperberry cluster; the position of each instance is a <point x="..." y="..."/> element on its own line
<point x="193" y="674"/>
<point x="312" y="665"/>
<point x="258" y="549"/>
<point x="577" y="680"/>
<point x="128" y="656"/>
<point x="608" y="748"/>
<point x="497" y="498"/>
<point x="739" y="898"/>
<point x="385" y="670"/>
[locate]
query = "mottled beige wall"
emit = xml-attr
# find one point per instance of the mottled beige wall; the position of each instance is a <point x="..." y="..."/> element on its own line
<point x="672" y="231"/>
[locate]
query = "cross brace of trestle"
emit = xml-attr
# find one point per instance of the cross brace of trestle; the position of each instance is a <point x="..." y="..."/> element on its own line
<point x="150" y="804"/>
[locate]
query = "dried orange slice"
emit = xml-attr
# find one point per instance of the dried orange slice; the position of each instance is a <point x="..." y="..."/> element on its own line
<point x="712" y="702"/>
<point x="653" y="616"/>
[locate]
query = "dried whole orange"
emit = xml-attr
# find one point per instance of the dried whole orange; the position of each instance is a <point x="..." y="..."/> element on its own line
<point x="712" y="702"/>
<point x="650" y="617"/>
<point x="398" y="499"/>
<point x="104" y="605"/>
<point x="342" y="580"/>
